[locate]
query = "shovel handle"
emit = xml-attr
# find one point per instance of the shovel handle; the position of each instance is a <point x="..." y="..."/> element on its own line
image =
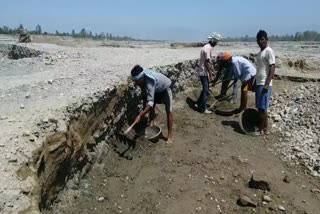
<point x="128" y="130"/>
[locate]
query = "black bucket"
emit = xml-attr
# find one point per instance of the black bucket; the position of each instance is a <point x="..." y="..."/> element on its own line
<point x="249" y="120"/>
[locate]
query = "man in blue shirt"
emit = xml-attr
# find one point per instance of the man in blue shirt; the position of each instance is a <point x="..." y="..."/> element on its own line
<point x="237" y="68"/>
<point x="158" y="91"/>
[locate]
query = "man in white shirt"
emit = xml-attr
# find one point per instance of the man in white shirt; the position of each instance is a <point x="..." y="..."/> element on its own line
<point x="265" y="72"/>
<point x="205" y="72"/>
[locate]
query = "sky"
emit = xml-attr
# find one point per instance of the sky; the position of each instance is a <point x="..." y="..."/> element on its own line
<point x="174" y="20"/>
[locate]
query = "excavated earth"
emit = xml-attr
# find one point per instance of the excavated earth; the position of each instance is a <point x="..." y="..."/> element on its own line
<point x="64" y="107"/>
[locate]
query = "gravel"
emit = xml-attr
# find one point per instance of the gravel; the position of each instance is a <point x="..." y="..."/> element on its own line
<point x="295" y="114"/>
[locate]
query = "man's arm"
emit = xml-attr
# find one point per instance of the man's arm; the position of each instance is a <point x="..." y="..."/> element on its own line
<point x="217" y="77"/>
<point x="269" y="78"/>
<point x="150" y="100"/>
<point x="145" y="111"/>
<point x="272" y="67"/>
<point x="208" y="67"/>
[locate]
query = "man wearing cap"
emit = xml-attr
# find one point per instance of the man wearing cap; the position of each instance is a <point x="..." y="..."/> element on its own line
<point x="236" y="68"/>
<point x="158" y="91"/>
<point x="265" y="70"/>
<point x="205" y="72"/>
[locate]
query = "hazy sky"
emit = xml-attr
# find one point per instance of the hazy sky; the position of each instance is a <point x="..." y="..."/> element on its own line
<point x="191" y="20"/>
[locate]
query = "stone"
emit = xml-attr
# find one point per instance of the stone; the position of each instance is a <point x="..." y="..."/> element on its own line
<point x="315" y="190"/>
<point x="277" y="118"/>
<point x="281" y="208"/>
<point x="26" y="133"/>
<point x="101" y="199"/>
<point x="245" y="201"/>
<point x="12" y="159"/>
<point x="266" y="198"/>
<point x="22" y="106"/>
<point x="198" y="209"/>
<point x="287" y="134"/>
<point x="26" y="186"/>
<point x="50" y="82"/>
<point x="27" y="95"/>
<point x="3" y="117"/>
<point x="45" y="120"/>
<point x="314" y="174"/>
<point x="286" y="179"/>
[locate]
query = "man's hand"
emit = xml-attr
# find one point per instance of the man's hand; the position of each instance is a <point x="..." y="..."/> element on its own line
<point x="265" y="89"/>
<point x="212" y="76"/>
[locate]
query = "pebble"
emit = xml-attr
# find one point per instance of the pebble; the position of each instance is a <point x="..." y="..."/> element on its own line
<point x="315" y="190"/>
<point x="314" y="174"/>
<point x="3" y="118"/>
<point x="100" y="199"/>
<point x="281" y="208"/>
<point x="266" y="198"/>
<point x="12" y="159"/>
<point x="27" y="95"/>
<point x="198" y="209"/>
<point x="27" y="133"/>
<point x="287" y="179"/>
<point x="22" y="106"/>
<point x="50" y="82"/>
<point x="246" y="201"/>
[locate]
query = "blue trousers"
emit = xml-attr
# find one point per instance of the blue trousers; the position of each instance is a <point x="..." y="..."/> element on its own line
<point x="202" y="100"/>
<point x="262" y="99"/>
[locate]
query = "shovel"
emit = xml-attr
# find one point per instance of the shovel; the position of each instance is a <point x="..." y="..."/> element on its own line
<point x="129" y="129"/>
<point x="219" y="100"/>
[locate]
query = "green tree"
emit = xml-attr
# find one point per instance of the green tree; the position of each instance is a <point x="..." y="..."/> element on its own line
<point x="38" y="30"/>
<point x="83" y="33"/>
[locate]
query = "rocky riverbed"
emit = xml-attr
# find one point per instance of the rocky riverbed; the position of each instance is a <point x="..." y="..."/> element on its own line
<point x="295" y="114"/>
<point x="38" y="90"/>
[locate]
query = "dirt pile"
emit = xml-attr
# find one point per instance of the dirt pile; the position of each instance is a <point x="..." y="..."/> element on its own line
<point x="18" y="52"/>
<point x="296" y="116"/>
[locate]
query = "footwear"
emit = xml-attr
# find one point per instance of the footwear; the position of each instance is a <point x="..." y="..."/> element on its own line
<point x="207" y="112"/>
<point x="258" y="133"/>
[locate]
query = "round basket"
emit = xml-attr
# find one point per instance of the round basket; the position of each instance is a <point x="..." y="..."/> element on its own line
<point x="153" y="132"/>
<point x="249" y="120"/>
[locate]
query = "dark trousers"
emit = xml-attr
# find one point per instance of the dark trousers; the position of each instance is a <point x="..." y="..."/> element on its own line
<point x="202" y="100"/>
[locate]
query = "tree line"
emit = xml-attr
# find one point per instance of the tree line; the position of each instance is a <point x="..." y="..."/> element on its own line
<point x="83" y="33"/>
<point x="298" y="36"/>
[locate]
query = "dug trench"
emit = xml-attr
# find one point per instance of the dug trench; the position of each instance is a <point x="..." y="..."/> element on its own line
<point x="91" y="168"/>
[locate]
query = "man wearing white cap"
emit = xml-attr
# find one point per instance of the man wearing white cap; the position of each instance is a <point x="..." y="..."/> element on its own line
<point x="158" y="91"/>
<point x="205" y="71"/>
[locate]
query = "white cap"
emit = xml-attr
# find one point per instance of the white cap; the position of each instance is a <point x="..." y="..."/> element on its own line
<point x="215" y="37"/>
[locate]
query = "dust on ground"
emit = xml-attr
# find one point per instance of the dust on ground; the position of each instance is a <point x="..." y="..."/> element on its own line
<point x="205" y="171"/>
